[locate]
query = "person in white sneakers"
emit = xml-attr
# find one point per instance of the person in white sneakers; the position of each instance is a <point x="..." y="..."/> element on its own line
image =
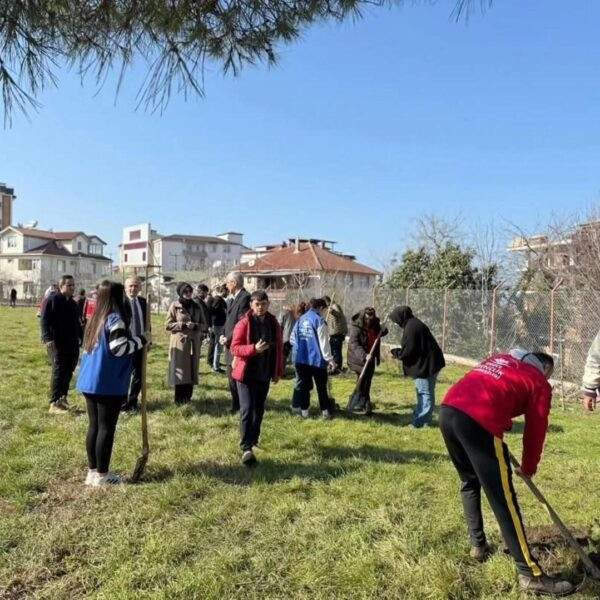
<point x="312" y="357"/>
<point x="106" y="364"/>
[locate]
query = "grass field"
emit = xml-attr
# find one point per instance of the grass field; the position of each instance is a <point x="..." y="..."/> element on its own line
<point x="351" y="508"/>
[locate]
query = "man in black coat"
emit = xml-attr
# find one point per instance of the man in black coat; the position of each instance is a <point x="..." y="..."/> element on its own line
<point x="218" y="315"/>
<point x="237" y="307"/>
<point x="136" y="308"/>
<point x="61" y="332"/>
<point x="365" y="327"/>
<point x="422" y="359"/>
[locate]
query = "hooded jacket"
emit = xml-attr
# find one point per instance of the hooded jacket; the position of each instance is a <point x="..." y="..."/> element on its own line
<point x="501" y="388"/>
<point x="420" y="353"/>
<point x="359" y="342"/>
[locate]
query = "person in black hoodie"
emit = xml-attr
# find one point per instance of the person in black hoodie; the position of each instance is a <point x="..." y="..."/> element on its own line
<point x="364" y="329"/>
<point x="422" y="359"/>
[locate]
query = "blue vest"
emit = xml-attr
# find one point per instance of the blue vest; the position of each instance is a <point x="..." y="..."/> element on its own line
<point x="307" y="350"/>
<point x="101" y="372"/>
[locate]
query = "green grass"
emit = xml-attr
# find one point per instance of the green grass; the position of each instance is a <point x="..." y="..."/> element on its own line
<point x="352" y="508"/>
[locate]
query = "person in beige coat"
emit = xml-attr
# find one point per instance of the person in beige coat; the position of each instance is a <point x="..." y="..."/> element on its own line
<point x="591" y="375"/>
<point x="185" y="322"/>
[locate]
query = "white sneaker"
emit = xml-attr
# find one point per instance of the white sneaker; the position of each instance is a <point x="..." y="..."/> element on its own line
<point x="326" y="415"/>
<point x="304" y="414"/>
<point x="296" y="410"/>
<point x="91" y="477"/>
<point x="106" y="479"/>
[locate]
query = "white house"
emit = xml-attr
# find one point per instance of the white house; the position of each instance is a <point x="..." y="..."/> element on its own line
<point x="142" y="246"/>
<point x="32" y="259"/>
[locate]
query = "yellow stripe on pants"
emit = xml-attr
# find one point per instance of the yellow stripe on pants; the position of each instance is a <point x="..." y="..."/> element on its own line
<point x="513" y="509"/>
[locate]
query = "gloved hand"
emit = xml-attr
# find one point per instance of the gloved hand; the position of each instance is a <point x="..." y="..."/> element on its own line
<point x="396" y="353"/>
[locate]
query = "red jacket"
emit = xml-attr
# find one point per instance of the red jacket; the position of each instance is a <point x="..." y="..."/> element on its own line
<point x="242" y="347"/>
<point x="500" y="389"/>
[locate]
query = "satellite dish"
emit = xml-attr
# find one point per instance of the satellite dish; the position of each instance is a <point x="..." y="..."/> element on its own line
<point x="251" y="263"/>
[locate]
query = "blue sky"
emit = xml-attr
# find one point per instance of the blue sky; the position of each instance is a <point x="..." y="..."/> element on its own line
<point x="361" y="128"/>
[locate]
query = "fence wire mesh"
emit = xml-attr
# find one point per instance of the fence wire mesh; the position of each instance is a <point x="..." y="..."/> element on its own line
<point x="470" y="324"/>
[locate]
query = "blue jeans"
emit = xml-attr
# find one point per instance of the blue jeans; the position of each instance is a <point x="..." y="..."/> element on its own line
<point x="425" y="401"/>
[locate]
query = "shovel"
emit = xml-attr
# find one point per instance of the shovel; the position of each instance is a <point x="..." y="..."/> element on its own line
<point x="585" y="559"/>
<point x="140" y="464"/>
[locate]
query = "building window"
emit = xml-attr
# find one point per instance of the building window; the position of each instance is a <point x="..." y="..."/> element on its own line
<point x="143" y="257"/>
<point x="11" y="241"/>
<point x="79" y="246"/>
<point x="136" y="234"/>
<point x="61" y="266"/>
<point x="125" y="257"/>
<point x="213" y="248"/>
<point x="94" y="268"/>
<point x="25" y="264"/>
<point x="226" y="248"/>
<point x="364" y="281"/>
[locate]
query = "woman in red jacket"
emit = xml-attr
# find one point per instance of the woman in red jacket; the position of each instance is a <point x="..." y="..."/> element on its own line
<point x="257" y="350"/>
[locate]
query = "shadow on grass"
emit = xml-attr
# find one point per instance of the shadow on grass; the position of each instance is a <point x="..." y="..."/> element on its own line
<point x="519" y="427"/>
<point x="378" y="454"/>
<point x="264" y="471"/>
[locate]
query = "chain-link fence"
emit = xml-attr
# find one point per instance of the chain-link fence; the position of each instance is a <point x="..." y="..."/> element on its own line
<point x="473" y="324"/>
<point x="470" y="324"/>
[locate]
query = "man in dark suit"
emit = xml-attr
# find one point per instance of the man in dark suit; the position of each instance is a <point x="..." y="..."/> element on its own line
<point x="137" y="308"/>
<point x="61" y="332"/>
<point x="236" y="309"/>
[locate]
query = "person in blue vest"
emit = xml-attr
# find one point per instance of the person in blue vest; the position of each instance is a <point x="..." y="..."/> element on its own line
<point x="312" y="357"/>
<point x="108" y="347"/>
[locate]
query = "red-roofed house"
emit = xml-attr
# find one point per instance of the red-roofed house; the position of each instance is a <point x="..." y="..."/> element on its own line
<point x="32" y="259"/>
<point x="302" y="263"/>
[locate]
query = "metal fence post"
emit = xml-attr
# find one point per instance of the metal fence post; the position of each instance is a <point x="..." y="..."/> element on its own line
<point x="408" y="291"/>
<point x="552" y="301"/>
<point x="445" y="315"/>
<point x="493" y="318"/>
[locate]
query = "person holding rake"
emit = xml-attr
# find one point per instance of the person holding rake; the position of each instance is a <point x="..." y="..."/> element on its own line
<point x="108" y="347"/>
<point x="364" y="354"/>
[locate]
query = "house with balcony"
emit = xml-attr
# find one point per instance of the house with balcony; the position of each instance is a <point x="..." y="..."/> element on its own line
<point x="32" y="259"/>
<point x="305" y="263"/>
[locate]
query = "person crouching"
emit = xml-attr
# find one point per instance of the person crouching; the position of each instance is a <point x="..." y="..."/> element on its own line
<point x="257" y="351"/>
<point x="475" y="413"/>
<point x="104" y="377"/>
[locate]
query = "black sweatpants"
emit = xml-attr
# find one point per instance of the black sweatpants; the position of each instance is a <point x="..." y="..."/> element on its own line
<point x="235" y="399"/>
<point x="306" y="375"/>
<point x="103" y="414"/>
<point x="253" y="396"/>
<point x="482" y="461"/>
<point x="64" y="362"/>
